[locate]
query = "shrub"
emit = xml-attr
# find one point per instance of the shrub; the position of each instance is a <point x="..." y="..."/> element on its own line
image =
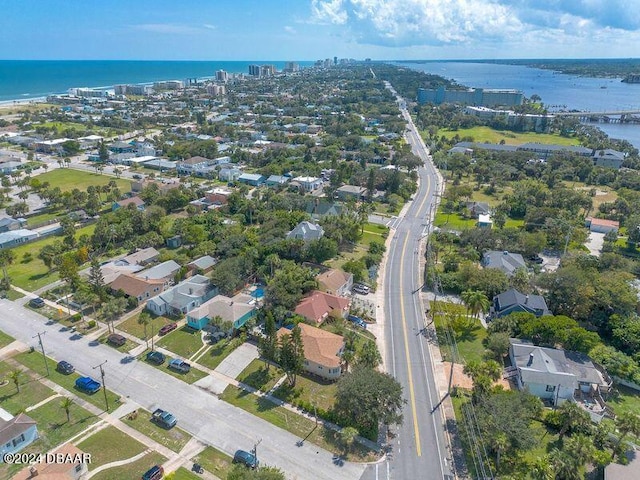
<point x="91" y="324"/>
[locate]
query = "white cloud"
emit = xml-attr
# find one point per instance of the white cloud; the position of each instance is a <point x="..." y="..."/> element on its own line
<point x="208" y="26"/>
<point x="290" y="29"/>
<point x="329" y="11"/>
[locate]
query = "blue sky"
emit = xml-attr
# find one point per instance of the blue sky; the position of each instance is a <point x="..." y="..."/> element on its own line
<point x="312" y="29"/>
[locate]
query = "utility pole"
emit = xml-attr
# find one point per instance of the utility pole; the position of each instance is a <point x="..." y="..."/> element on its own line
<point x="255" y="449"/>
<point x="44" y="357"/>
<point x="104" y="387"/>
<point x="152" y="334"/>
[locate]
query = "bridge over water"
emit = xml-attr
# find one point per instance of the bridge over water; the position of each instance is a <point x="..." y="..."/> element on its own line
<point x="611" y="116"/>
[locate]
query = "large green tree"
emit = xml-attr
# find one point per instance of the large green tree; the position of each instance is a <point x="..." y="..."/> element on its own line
<point x="291" y="355"/>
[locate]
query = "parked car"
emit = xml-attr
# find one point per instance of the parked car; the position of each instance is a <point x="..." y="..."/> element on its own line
<point x="36" y="302"/>
<point x="164" y="418"/>
<point x="361" y="289"/>
<point x="536" y="259"/>
<point x="179" y="365"/>
<point x="65" y="367"/>
<point x="245" y="458"/>
<point x="357" y="320"/>
<point x="169" y="327"/>
<point x="87" y="385"/>
<point x="157" y="358"/>
<point x="116" y="340"/>
<point x="154" y="473"/>
<point x="137" y="176"/>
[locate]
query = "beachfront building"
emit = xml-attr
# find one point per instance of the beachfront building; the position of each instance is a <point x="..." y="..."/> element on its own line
<point x="472" y="96"/>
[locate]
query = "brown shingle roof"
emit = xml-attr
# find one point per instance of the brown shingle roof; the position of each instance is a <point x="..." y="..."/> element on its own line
<point x="134" y="286"/>
<point x="137" y="201"/>
<point x="332" y="279"/>
<point x="320" y="346"/>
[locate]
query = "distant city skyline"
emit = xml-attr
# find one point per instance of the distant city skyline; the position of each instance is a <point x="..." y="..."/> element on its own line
<point x="264" y="30"/>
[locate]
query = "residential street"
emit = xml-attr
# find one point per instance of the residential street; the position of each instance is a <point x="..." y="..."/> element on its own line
<point x="201" y="414"/>
<point x="419" y="449"/>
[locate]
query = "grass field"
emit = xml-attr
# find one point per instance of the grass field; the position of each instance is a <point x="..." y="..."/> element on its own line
<point x="68" y="179"/>
<point x="131" y="470"/>
<point x="132" y="327"/>
<point x="184" y="341"/>
<point x="184" y="474"/>
<point x="624" y="400"/>
<point x="31" y="391"/>
<point x="34" y="361"/>
<point x="109" y="445"/>
<point x="214" y="461"/>
<point x="193" y="376"/>
<point x="35" y="274"/>
<point x="454" y="221"/>
<point x="174" y="438"/>
<point x="5" y="339"/>
<point x="469" y="340"/>
<point x="313" y="391"/>
<point x="489" y="135"/>
<point x="257" y="376"/>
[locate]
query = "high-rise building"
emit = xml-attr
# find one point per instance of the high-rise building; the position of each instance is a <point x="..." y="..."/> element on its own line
<point x="335" y="60"/>
<point x="254" y="70"/>
<point x="223" y="76"/>
<point x="291" y="67"/>
<point x="267" y="70"/>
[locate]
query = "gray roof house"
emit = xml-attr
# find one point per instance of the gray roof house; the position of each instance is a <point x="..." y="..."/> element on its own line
<point x="318" y="209"/>
<point x="505" y="261"/>
<point x="203" y="264"/>
<point x="13" y="238"/>
<point x="277" y="180"/>
<point x="10" y="223"/>
<point x="478" y="208"/>
<point x="163" y="271"/>
<point x="513" y="301"/>
<point x="16" y="432"/>
<point x="306" y="231"/>
<point x="558" y="375"/>
<point x="346" y="192"/>
<point x="183" y="297"/>
<point x="141" y="257"/>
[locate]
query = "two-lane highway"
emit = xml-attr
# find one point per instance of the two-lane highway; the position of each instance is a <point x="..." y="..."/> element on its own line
<point x="419" y="450"/>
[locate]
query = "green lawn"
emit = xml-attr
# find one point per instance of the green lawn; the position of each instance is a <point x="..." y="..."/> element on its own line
<point x="292" y="422"/>
<point x="218" y="352"/>
<point x="184" y="341"/>
<point x="109" y="445"/>
<point x="31" y="391"/>
<point x="624" y="400"/>
<point x="257" y="376"/>
<point x="454" y="221"/>
<point x="53" y="426"/>
<point x="43" y="217"/>
<point x="68" y="179"/>
<point x="214" y="461"/>
<point x="174" y="438"/>
<point x="193" y="376"/>
<point x="309" y="390"/>
<point x="184" y="474"/>
<point x="490" y="135"/>
<point x="35" y="362"/>
<point x="35" y="274"/>
<point x="132" y="470"/>
<point x="5" y="339"/>
<point x="469" y="340"/>
<point x="132" y="327"/>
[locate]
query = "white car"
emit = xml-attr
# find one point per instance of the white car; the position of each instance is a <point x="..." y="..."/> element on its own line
<point x="361" y="289"/>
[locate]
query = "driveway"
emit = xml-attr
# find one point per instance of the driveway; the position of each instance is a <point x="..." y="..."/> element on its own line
<point x="595" y="243"/>
<point x="203" y="415"/>
<point x="238" y="360"/>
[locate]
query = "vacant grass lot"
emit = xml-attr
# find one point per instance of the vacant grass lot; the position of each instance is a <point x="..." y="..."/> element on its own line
<point x="214" y="461"/>
<point x="35" y="274"/>
<point x="174" y="438"/>
<point x="109" y="445"/>
<point x="131" y="470"/>
<point x="132" y="327"/>
<point x="34" y="361"/>
<point x="184" y="342"/>
<point x="68" y="179"/>
<point x="294" y="423"/>
<point x="257" y="375"/>
<point x="454" y="221"/>
<point x="5" y="339"/>
<point x="311" y="390"/>
<point x="469" y="340"/>
<point x="624" y="400"/>
<point x="184" y="474"/>
<point x="31" y="391"/>
<point x="489" y="135"/>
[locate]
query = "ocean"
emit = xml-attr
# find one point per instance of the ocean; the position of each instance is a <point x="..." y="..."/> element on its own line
<point x="557" y="90"/>
<point x="25" y="79"/>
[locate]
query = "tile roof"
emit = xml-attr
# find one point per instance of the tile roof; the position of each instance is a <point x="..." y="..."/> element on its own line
<point x="319" y="304"/>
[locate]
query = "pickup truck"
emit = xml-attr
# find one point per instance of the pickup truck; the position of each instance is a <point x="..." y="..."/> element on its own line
<point x="179" y="365"/>
<point x="164" y="418"/>
<point x="87" y="384"/>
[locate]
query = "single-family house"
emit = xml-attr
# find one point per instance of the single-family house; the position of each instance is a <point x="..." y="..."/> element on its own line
<point x="557" y="375"/>
<point x="218" y="196"/>
<point x="121" y="147"/>
<point x="16" y="432"/>
<point x="237" y="310"/>
<point x="253" y="179"/>
<point x="183" y="297"/>
<point x="484" y="221"/>
<point x="161" y="164"/>
<point x="51" y="146"/>
<point x="308" y="184"/>
<point x="229" y="173"/>
<point x="354" y="192"/>
<point x="201" y="265"/>
<point x="141" y="257"/>
<point x="317" y="306"/>
<point x="164" y="271"/>
<point x="10" y="167"/>
<point x="335" y="282"/>
<point x="504" y="261"/>
<point x="600" y="225"/>
<point x="306" y="231"/>
<point x="13" y="238"/>
<point x="136" y="201"/>
<point x="319" y="209"/>
<point x="198" y="166"/>
<point x="75" y="465"/>
<point x="277" y="181"/>
<point x="513" y="301"/>
<point x="137" y="287"/>
<point x="322" y="351"/>
<point x="478" y="208"/>
<point x="10" y="223"/>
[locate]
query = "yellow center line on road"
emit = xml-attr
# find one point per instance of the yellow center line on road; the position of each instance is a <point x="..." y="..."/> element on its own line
<point x="412" y="397"/>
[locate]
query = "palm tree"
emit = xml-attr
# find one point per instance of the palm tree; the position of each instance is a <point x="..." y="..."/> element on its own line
<point x="499" y="444"/>
<point x="564" y="465"/>
<point x="144" y="319"/>
<point x="65" y="404"/>
<point x="475" y="301"/>
<point x="6" y="258"/>
<point x="627" y="423"/>
<point x="15" y="376"/>
<point x="580" y="447"/>
<point x="541" y="469"/>
<point x="571" y="417"/>
<point x="348" y="436"/>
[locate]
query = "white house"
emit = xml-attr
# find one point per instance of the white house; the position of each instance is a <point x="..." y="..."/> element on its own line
<point x="308" y="184"/>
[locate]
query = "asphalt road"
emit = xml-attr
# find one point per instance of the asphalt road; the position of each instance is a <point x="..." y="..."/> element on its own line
<point x="200" y="413"/>
<point x="419" y="449"/>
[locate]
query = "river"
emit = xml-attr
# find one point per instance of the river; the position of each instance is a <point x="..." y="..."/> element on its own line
<point x="557" y="90"/>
